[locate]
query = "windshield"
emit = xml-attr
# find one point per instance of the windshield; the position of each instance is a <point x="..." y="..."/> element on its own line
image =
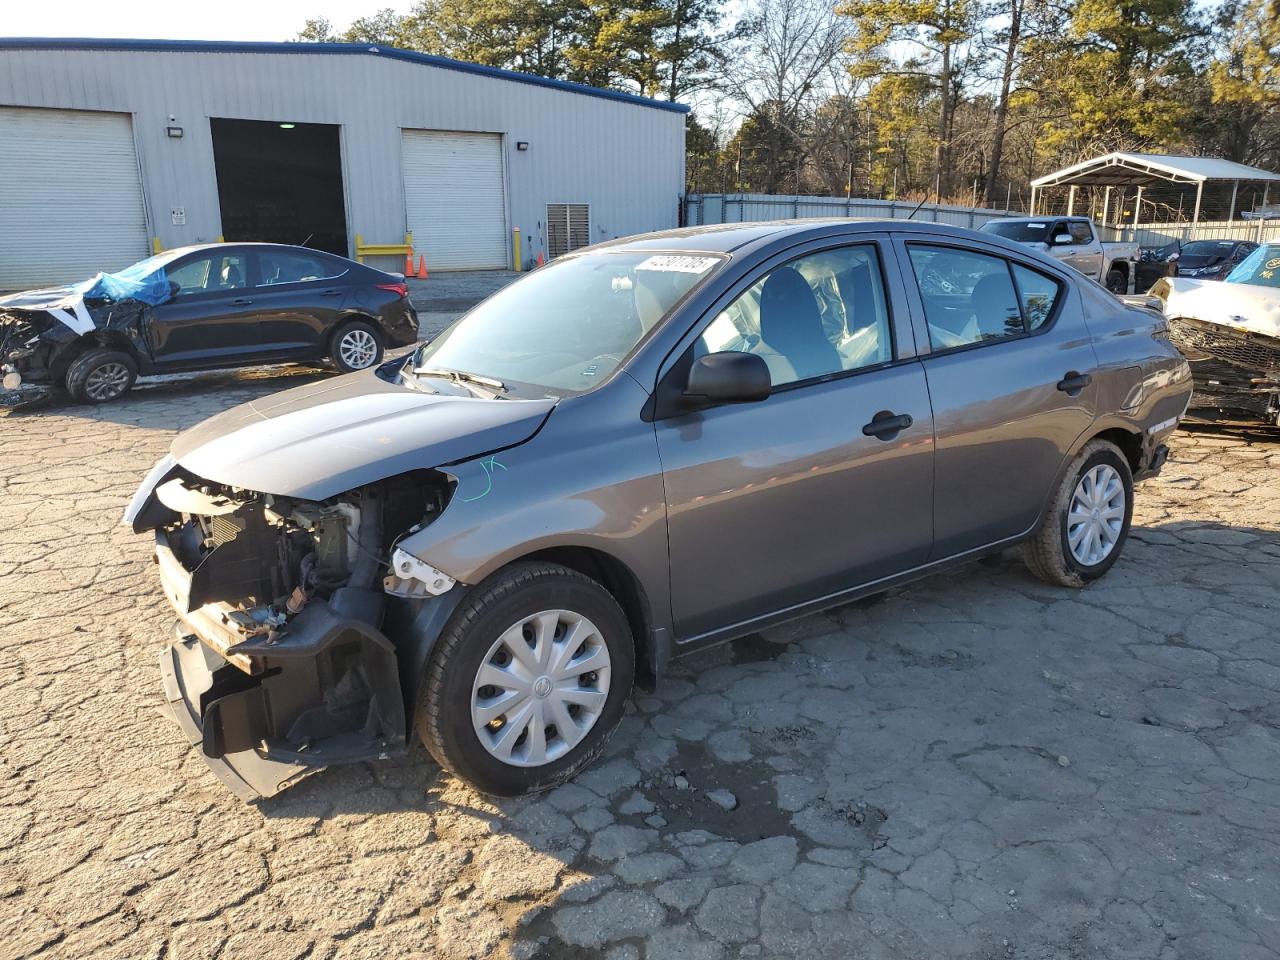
<point x="1261" y="267"/>
<point x="567" y="325"/>
<point x="1209" y="248"/>
<point x="1032" y="231"/>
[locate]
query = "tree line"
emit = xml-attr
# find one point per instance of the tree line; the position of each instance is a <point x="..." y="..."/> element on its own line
<point x="963" y="100"/>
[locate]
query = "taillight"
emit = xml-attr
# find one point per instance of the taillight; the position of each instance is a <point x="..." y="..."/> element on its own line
<point x="399" y="289"/>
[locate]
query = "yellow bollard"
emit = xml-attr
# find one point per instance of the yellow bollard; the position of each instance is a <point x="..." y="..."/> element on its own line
<point x="516" y="232"/>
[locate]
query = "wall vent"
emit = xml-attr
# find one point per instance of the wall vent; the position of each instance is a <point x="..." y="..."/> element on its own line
<point x="568" y="227"/>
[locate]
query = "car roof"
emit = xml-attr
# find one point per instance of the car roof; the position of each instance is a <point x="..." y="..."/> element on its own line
<point x="736" y="237"/>
<point x="197" y="247"/>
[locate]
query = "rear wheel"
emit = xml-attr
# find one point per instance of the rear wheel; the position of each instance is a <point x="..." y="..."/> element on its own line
<point x="1087" y="524"/>
<point x="97" y="376"/>
<point x="1117" y="280"/>
<point x="527" y="681"/>
<point x="356" y="345"/>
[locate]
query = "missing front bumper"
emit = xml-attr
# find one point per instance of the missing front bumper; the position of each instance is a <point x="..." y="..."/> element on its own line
<point x="267" y="710"/>
<point x="186" y="673"/>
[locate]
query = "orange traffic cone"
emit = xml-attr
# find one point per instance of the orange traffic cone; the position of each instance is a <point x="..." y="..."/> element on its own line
<point x="539" y="258"/>
<point x="422" y="268"/>
<point x="408" y="263"/>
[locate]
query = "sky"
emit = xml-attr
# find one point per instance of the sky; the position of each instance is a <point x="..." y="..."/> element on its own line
<point x="166" y="20"/>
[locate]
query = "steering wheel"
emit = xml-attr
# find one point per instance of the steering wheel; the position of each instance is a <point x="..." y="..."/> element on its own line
<point x="932" y="281"/>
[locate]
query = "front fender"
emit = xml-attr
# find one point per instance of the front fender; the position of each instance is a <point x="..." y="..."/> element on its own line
<point x="591" y="478"/>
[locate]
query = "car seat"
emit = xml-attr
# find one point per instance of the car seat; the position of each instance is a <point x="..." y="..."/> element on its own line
<point x="995" y="306"/>
<point x="791" y="326"/>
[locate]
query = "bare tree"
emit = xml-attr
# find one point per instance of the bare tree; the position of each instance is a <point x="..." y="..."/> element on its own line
<point x="781" y="70"/>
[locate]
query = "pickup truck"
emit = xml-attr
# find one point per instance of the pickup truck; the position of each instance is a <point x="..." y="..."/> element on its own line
<point x="1074" y="241"/>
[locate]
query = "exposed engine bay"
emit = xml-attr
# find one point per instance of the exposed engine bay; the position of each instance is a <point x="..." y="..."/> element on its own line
<point x="24" y="355"/>
<point x="292" y="624"/>
<point x="1229" y="331"/>
<point x="36" y="348"/>
<point x="1233" y="369"/>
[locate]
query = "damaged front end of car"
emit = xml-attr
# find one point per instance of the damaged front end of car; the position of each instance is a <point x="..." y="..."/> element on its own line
<point x="282" y="660"/>
<point x="28" y="341"/>
<point x="1234" y="369"/>
<point x="39" y="344"/>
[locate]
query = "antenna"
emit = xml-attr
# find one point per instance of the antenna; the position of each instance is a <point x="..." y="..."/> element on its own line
<point x="919" y="205"/>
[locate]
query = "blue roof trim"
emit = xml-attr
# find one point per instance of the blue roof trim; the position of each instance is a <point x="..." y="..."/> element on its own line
<point x="391" y="53"/>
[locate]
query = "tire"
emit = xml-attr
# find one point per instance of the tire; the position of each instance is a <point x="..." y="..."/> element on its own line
<point x="100" y="375"/>
<point x="1049" y="553"/>
<point x="1117" y="281"/>
<point x="452" y="701"/>
<point x="356" y="345"/>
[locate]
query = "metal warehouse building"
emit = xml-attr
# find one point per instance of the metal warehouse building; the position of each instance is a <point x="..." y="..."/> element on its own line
<point x="112" y="148"/>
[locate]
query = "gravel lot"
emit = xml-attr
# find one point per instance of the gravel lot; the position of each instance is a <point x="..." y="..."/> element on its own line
<point x="977" y="766"/>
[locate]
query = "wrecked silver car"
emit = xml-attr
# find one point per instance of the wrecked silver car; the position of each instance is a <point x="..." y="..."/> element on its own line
<point x="1230" y="332"/>
<point x="640" y="450"/>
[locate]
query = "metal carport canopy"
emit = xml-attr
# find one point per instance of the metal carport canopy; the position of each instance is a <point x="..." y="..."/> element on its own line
<point x="1143" y="169"/>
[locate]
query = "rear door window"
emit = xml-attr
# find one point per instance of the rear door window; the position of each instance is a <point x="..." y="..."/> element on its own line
<point x="1038" y="293"/>
<point x="289" y="266"/>
<point x="972" y="297"/>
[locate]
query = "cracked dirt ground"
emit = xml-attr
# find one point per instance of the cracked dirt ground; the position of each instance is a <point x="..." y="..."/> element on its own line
<point x="977" y="766"/>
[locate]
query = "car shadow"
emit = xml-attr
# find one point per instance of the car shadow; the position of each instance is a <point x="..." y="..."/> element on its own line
<point x="734" y="745"/>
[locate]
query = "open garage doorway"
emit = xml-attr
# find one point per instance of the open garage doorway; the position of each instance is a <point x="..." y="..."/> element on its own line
<point x="280" y="183"/>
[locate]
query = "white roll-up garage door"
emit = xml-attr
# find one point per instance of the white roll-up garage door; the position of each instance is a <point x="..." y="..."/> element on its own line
<point x="454" y="199"/>
<point x="70" y="196"/>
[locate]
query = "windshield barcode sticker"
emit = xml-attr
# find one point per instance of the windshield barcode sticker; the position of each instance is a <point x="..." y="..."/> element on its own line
<point x="678" y="264"/>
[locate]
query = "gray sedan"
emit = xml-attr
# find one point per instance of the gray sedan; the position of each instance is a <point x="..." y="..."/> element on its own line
<point x="637" y="451"/>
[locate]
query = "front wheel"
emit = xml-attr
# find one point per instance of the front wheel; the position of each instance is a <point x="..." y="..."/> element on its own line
<point x="1087" y="524"/>
<point x="527" y="681"/>
<point x="98" y="376"/>
<point x="356" y="345"/>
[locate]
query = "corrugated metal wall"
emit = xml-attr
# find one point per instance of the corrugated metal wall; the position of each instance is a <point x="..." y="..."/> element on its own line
<point x="742" y="207"/>
<point x="626" y="160"/>
<point x="738" y="207"/>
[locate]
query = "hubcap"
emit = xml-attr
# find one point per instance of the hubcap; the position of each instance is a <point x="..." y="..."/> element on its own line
<point x="540" y="688"/>
<point x="107" y="381"/>
<point x="357" y="348"/>
<point x="1096" y="515"/>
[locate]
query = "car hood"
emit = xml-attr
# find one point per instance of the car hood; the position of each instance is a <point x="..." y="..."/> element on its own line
<point x="325" y="438"/>
<point x="1244" y="306"/>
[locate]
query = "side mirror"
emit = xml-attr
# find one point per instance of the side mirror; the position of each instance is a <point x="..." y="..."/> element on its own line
<point x="1061" y="239"/>
<point x="174" y="289"/>
<point x="729" y="377"/>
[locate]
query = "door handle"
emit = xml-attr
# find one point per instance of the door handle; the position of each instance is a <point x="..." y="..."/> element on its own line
<point x="241" y="302"/>
<point x="1072" y="383"/>
<point x="330" y="293"/>
<point x="886" y="424"/>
